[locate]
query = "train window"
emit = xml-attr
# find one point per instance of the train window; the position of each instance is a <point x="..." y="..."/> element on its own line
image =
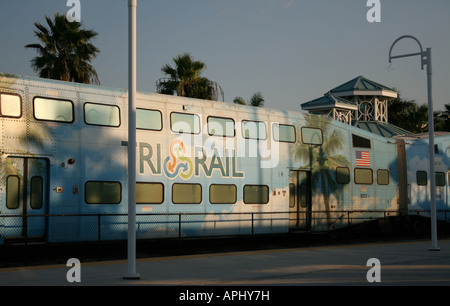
<point x="256" y="194"/>
<point x="363" y="176"/>
<point x="254" y="130"/>
<point x="147" y="119"/>
<point x="440" y="179"/>
<point x="97" y="192"/>
<point x="283" y="132"/>
<point x="360" y="142"/>
<point x="383" y="177"/>
<point x="185" y="123"/>
<point x="101" y="114"/>
<point x="218" y="126"/>
<point x="312" y="136"/>
<point x="222" y="194"/>
<point x="186" y="193"/>
<point x="342" y="175"/>
<point x="291" y="195"/>
<point x="53" y="110"/>
<point x="12" y="192"/>
<point x="37" y="192"/>
<point x="149" y="193"/>
<point x="10" y="105"/>
<point x="421" y="177"/>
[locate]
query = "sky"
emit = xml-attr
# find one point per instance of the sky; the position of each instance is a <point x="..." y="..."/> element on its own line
<point x="292" y="51"/>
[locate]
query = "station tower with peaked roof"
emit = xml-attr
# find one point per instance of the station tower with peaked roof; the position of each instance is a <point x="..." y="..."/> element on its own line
<point x="360" y="102"/>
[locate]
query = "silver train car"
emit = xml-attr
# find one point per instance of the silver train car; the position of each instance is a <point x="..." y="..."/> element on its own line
<point x="223" y="168"/>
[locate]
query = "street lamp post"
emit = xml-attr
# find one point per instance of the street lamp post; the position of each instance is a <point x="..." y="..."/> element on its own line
<point x="131" y="272"/>
<point x="426" y="60"/>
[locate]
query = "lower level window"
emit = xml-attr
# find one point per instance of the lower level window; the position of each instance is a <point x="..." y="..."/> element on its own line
<point x="103" y="192"/>
<point x="149" y="193"/>
<point x="256" y="194"/>
<point x="186" y="193"/>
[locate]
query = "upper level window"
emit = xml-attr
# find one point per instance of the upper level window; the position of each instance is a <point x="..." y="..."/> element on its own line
<point x="254" y="130"/>
<point x="100" y="114"/>
<point x="147" y="119"/>
<point x="283" y="132"/>
<point x="184" y="123"/>
<point x="10" y="105"/>
<point x="360" y="142"/>
<point x="218" y="126"/>
<point x="312" y="136"/>
<point x="53" y="110"/>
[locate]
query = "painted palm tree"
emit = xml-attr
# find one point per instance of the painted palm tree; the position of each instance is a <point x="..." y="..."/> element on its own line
<point x="323" y="159"/>
<point x="65" y="51"/>
<point x="185" y="79"/>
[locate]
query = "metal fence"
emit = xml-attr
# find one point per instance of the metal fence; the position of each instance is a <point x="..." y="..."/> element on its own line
<point x="103" y="227"/>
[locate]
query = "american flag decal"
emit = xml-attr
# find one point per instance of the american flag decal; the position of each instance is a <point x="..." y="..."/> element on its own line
<point x="362" y="159"/>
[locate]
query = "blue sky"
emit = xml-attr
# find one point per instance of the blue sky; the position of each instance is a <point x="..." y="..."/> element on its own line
<point x="292" y="51"/>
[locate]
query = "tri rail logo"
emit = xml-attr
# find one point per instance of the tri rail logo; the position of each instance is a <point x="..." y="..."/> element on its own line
<point x="180" y="161"/>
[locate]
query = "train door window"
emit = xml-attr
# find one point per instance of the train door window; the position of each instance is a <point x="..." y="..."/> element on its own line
<point x="218" y="126"/>
<point x="254" y="130"/>
<point x="149" y="193"/>
<point x="383" y="177"/>
<point x="101" y="114"/>
<point x="440" y="179"/>
<point x="12" y="192"/>
<point x="185" y="123"/>
<point x="312" y="136"/>
<point x="147" y="119"/>
<point x="291" y="195"/>
<point x="363" y="176"/>
<point x="222" y="194"/>
<point x="421" y="177"/>
<point x="10" y="105"/>
<point x="256" y="194"/>
<point x="37" y="192"/>
<point x="342" y="175"/>
<point x="53" y="110"/>
<point x="186" y="193"/>
<point x="103" y="192"/>
<point x="283" y="132"/>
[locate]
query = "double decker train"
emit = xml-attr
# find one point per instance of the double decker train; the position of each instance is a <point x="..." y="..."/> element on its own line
<point x="225" y="168"/>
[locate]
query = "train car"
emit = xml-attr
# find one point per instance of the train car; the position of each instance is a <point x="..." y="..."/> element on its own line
<point x="203" y="167"/>
<point x="418" y="176"/>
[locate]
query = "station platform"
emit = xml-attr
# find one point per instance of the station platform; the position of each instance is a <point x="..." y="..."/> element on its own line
<point x="410" y="263"/>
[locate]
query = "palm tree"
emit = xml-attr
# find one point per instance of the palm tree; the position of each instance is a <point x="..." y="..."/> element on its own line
<point x="239" y="100"/>
<point x="185" y="79"/>
<point x="322" y="159"/>
<point x="65" y="51"/>
<point x="256" y="100"/>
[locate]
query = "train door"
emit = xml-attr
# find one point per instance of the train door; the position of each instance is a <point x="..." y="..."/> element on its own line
<point x="26" y="197"/>
<point x="300" y="204"/>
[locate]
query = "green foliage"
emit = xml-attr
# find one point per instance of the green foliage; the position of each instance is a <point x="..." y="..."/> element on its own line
<point x="414" y="118"/>
<point x="64" y="52"/>
<point x="256" y="100"/>
<point x="185" y="79"/>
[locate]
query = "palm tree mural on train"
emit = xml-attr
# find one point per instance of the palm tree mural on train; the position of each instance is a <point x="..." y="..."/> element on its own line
<point x="322" y="160"/>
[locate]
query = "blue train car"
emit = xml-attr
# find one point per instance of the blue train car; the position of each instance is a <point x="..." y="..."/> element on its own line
<point x="216" y="168"/>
